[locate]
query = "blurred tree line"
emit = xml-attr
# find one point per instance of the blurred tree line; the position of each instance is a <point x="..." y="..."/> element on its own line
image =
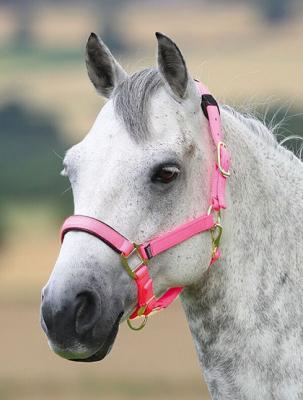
<point x="108" y="12"/>
<point x="276" y="11"/>
<point x="273" y="12"/>
<point x="29" y="162"/>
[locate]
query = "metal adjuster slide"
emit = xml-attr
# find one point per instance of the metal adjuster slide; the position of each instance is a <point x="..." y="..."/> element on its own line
<point x="222" y="170"/>
<point x="125" y="261"/>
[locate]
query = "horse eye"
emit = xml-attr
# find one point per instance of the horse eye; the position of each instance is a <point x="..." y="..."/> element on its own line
<point x="166" y="174"/>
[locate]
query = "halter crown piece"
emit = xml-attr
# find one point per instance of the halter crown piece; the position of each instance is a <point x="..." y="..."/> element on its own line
<point x="135" y="257"/>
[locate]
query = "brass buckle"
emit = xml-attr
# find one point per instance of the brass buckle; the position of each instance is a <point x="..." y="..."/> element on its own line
<point x="125" y="261"/>
<point x="222" y="170"/>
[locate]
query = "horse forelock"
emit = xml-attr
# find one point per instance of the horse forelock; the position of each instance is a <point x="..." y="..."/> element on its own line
<point x="132" y="101"/>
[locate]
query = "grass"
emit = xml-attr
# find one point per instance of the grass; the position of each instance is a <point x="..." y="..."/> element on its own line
<point x="15" y="59"/>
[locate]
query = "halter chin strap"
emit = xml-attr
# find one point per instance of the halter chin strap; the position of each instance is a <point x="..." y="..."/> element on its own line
<point x="135" y="257"/>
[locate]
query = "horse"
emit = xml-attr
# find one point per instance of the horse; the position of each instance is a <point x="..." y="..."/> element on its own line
<point x="144" y="168"/>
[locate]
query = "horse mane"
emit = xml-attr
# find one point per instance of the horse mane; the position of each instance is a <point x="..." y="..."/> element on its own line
<point x="267" y="133"/>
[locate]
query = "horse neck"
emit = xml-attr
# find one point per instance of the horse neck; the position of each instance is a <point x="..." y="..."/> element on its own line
<point x="238" y="310"/>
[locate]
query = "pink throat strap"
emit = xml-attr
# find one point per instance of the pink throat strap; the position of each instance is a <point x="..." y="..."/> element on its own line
<point x="141" y="254"/>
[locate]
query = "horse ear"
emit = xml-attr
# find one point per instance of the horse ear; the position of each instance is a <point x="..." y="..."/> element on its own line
<point x="172" y="65"/>
<point x="103" y="70"/>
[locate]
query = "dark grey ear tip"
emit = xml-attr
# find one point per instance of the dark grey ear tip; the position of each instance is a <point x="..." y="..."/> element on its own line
<point x="93" y="43"/>
<point x="161" y="37"/>
<point x="93" y="37"/>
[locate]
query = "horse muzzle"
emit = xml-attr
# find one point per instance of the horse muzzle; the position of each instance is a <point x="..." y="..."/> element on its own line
<point x="77" y="327"/>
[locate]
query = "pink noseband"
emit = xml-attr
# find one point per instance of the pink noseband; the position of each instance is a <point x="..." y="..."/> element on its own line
<point x="134" y="257"/>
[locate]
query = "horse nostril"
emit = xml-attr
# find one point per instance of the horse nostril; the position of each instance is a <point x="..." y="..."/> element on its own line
<point x="87" y="311"/>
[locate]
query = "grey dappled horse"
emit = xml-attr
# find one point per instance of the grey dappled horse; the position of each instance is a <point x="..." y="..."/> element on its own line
<point x="144" y="168"/>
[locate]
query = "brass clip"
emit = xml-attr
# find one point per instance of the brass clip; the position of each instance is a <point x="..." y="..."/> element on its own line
<point x="216" y="234"/>
<point x="216" y="231"/>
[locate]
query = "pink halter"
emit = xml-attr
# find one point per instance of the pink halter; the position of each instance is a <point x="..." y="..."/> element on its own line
<point x="147" y="302"/>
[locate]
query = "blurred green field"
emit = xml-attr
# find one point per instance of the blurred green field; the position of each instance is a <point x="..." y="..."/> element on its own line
<point x="240" y="59"/>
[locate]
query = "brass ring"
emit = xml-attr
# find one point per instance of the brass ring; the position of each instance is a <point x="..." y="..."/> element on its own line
<point x="138" y="328"/>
